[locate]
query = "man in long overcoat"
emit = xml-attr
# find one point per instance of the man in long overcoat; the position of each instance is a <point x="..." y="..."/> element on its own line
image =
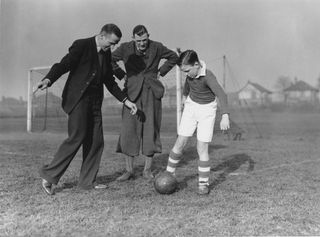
<point x="141" y="58"/>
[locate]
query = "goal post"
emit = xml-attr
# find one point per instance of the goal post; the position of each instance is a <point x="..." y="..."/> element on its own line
<point x="179" y="95"/>
<point x="31" y="89"/>
<point x="178" y="92"/>
<point x="43" y="105"/>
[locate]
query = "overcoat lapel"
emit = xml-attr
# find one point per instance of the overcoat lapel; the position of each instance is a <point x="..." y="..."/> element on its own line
<point x="93" y="51"/>
<point x="152" y="52"/>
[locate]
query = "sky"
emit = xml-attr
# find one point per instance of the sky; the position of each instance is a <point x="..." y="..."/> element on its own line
<point x="261" y="39"/>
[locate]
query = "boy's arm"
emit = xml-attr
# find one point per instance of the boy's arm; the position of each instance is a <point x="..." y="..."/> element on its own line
<point x="117" y="55"/>
<point x="223" y="100"/>
<point x="215" y="87"/>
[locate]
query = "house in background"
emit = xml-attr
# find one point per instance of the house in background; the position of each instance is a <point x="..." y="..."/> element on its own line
<point x="12" y="107"/>
<point x="278" y="97"/>
<point x="301" y="92"/>
<point x="253" y="95"/>
<point x="233" y="99"/>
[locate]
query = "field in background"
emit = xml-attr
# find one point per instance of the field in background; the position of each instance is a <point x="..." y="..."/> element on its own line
<point x="265" y="184"/>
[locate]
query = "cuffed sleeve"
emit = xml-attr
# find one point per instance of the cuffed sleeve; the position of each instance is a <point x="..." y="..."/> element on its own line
<point x="172" y="59"/>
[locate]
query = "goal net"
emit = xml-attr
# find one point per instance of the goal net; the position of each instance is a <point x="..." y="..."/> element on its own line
<point x="44" y="106"/>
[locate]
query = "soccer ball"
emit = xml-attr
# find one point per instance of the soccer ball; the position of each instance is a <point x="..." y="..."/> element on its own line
<point x="165" y="183"/>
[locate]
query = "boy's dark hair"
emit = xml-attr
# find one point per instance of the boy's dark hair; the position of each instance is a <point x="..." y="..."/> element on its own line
<point x="111" y="28"/>
<point x="139" y="30"/>
<point x="188" y="57"/>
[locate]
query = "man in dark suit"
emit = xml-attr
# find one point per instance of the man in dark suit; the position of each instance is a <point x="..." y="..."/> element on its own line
<point x="89" y="65"/>
<point x="141" y="58"/>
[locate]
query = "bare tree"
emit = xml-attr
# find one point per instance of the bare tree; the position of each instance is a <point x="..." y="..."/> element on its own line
<point x="282" y="83"/>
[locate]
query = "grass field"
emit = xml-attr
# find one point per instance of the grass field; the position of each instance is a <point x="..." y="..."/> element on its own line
<point x="266" y="184"/>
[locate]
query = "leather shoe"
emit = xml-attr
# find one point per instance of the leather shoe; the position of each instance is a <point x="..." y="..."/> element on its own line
<point x="203" y="190"/>
<point x="47" y="187"/>
<point x="125" y="176"/>
<point x="147" y="174"/>
<point x="100" y="186"/>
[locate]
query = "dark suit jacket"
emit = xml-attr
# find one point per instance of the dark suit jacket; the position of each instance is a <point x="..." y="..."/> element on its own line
<point x="83" y="64"/>
<point x="141" y="71"/>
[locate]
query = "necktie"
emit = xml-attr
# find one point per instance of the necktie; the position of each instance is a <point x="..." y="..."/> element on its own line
<point x="101" y="56"/>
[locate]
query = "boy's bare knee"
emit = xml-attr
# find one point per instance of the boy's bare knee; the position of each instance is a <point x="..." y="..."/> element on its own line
<point x="180" y="144"/>
<point x="202" y="147"/>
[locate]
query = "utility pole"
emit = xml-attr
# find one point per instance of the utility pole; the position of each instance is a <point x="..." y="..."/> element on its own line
<point x="224" y="73"/>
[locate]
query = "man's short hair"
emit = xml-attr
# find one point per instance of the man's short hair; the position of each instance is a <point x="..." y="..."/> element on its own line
<point x="188" y="57"/>
<point x="139" y="30"/>
<point x="111" y="28"/>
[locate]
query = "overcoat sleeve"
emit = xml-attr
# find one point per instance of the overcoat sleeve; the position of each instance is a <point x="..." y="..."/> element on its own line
<point x="172" y="59"/>
<point x="215" y="87"/>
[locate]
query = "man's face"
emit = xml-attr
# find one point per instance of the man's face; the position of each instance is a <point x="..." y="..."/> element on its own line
<point x="141" y="41"/>
<point x="108" y="41"/>
<point x="190" y="70"/>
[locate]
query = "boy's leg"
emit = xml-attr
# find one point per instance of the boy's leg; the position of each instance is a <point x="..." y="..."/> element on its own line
<point x="176" y="153"/>
<point x="203" y="167"/>
<point x="205" y="128"/>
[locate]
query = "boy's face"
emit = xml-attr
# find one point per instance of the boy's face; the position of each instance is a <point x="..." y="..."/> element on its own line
<point x="191" y="70"/>
<point x="141" y="41"/>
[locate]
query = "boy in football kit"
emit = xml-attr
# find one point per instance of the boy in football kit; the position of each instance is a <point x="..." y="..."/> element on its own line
<point x="199" y="96"/>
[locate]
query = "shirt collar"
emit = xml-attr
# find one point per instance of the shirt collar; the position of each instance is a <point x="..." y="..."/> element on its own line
<point x="140" y="53"/>
<point x="202" y="71"/>
<point x="98" y="47"/>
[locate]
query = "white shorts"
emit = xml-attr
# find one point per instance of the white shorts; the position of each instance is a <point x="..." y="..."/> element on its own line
<point x="200" y="117"/>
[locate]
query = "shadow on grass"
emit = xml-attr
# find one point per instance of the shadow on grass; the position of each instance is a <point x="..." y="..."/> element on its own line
<point x="105" y="179"/>
<point x="67" y="185"/>
<point x="230" y="165"/>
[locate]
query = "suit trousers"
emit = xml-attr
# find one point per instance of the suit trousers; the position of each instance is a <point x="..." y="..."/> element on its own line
<point x="84" y="128"/>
